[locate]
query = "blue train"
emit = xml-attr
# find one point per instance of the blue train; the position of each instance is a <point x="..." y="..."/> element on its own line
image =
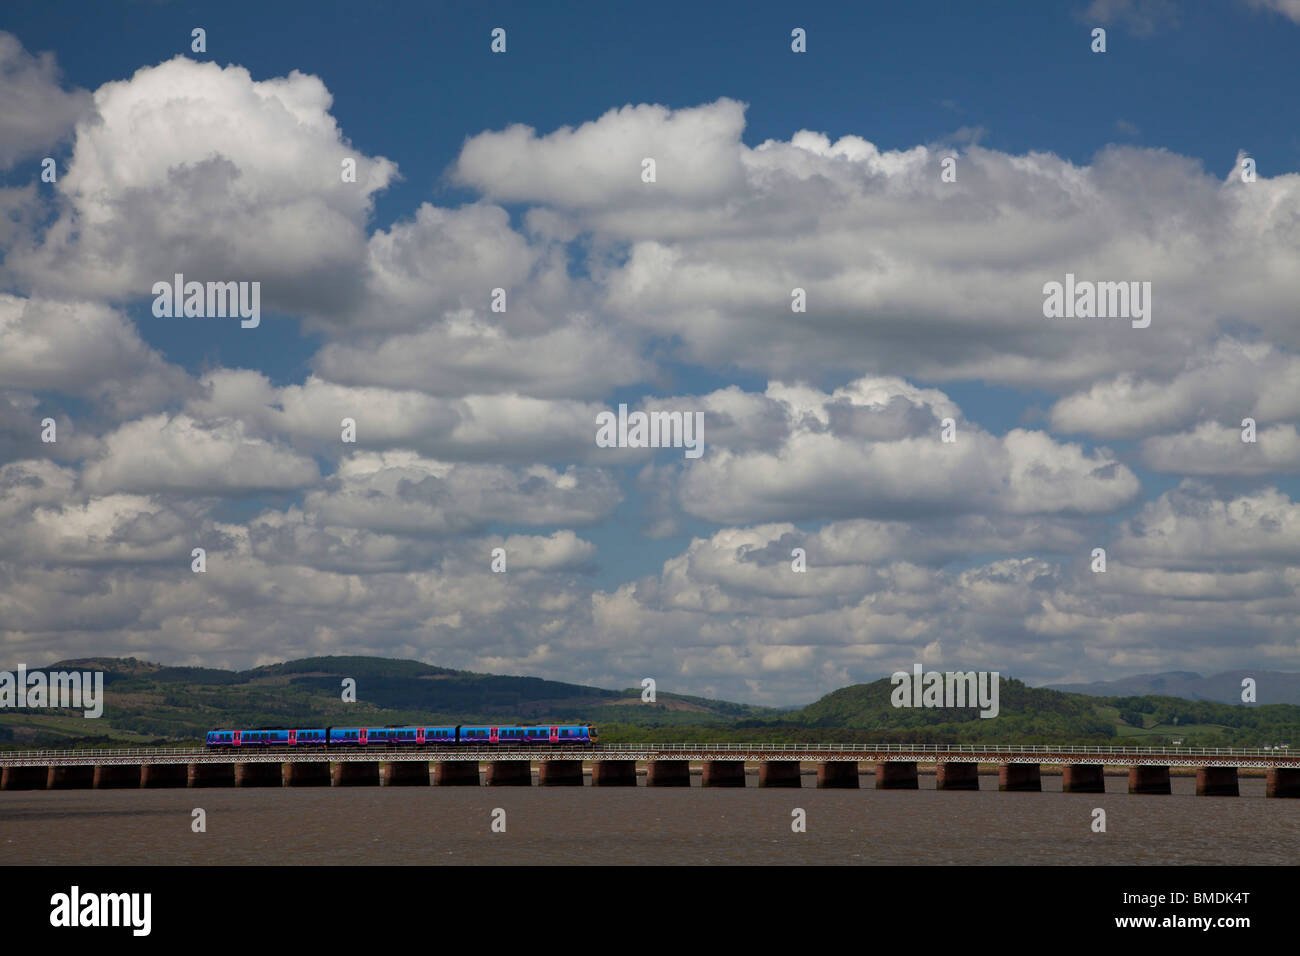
<point x="559" y="735"/>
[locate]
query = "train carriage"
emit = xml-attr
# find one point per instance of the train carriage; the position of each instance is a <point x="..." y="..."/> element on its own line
<point x="516" y="735"/>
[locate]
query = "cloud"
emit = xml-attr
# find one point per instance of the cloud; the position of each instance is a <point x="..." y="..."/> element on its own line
<point x="1287" y="8"/>
<point x="1232" y="380"/>
<point x="1142" y="17"/>
<point x="82" y="348"/>
<point x="38" y="112"/>
<point x="905" y="274"/>
<point x="401" y="493"/>
<point x="600" y="163"/>
<point x="873" y="449"/>
<point x="180" y="454"/>
<point x="46" y="518"/>
<point x="469" y="354"/>
<point x="197" y="169"/>
<point x="1214" y="449"/>
<point x="475" y="428"/>
<point x="1190" y="527"/>
<point x="504" y="427"/>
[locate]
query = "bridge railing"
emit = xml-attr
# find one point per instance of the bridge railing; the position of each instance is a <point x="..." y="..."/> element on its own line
<point x="687" y="748"/>
<point x="991" y="749"/>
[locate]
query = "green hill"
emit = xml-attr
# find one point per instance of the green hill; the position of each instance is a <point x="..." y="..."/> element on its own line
<point x="148" y="703"/>
<point x="153" y="703"/>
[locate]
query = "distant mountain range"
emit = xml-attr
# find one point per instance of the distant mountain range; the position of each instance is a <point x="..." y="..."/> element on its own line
<point x="1271" y="687"/>
<point x="150" y="704"/>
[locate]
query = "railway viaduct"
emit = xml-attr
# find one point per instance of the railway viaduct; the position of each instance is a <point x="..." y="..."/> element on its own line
<point x="667" y="765"/>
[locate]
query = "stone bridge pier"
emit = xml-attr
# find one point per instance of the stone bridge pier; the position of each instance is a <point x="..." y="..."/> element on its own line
<point x="838" y="775"/>
<point x="896" y="775"/>
<point x="954" y="775"/>
<point x="1217" y="782"/>
<point x="406" y="773"/>
<point x="1282" y="782"/>
<point x="117" y="776"/>
<point x="723" y="773"/>
<point x="779" y="773"/>
<point x="559" y="773"/>
<point x="258" y="775"/>
<point x="613" y="773"/>
<point x="356" y="773"/>
<point x="307" y="774"/>
<point x="24" y="778"/>
<point x="1148" y="779"/>
<point x="1083" y="778"/>
<point x="668" y="773"/>
<point x="70" y="777"/>
<point x="212" y="775"/>
<point x="456" y="773"/>
<point x="1020" y="778"/>
<point x="509" y="773"/>
<point x="156" y="775"/>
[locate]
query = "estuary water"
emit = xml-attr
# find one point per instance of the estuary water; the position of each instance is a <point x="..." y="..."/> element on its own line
<point x="615" y="825"/>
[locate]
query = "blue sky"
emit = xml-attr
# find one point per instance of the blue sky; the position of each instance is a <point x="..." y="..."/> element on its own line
<point x="1134" y="139"/>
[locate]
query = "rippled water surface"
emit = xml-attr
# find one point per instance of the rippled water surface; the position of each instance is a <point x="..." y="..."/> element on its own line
<point x="424" y="825"/>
